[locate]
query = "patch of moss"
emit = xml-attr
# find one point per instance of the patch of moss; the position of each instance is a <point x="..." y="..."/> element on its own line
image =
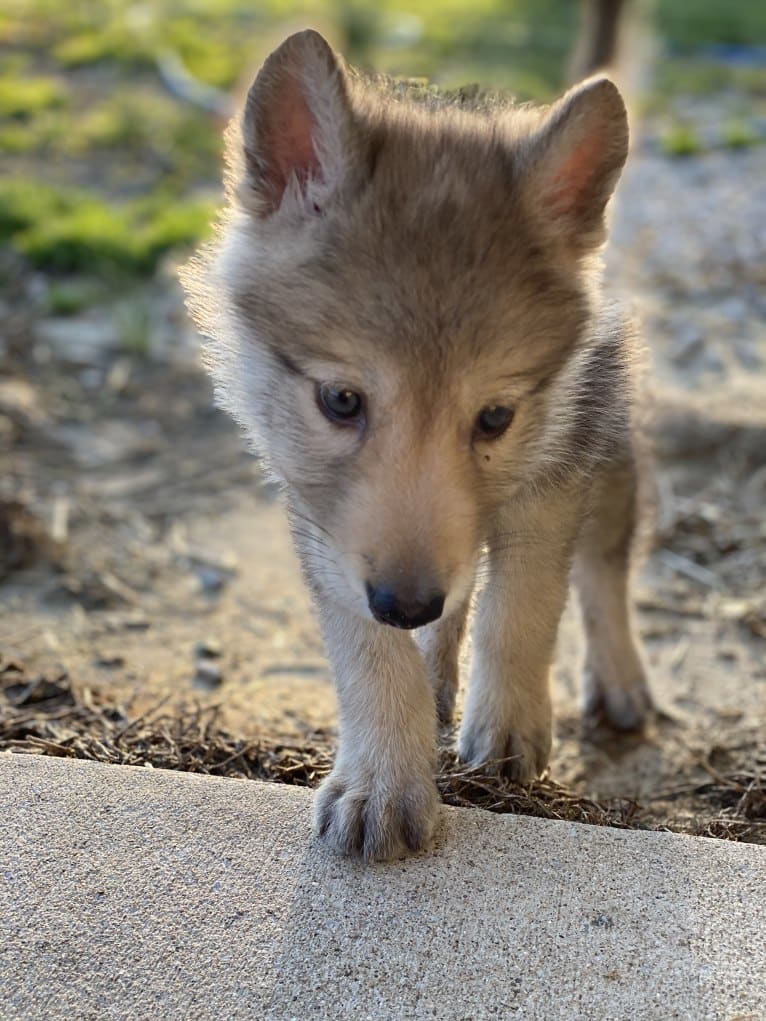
<point x="88" y="238"/>
<point x="134" y="328"/>
<point x="701" y="77"/>
<point x="681" y="139"/>
<point x="163" y="224"/>
<point x="22" y="98"/>
<point x="689" y="24"/>
<point x="22" y="202"/>
<point x="68" y="297"/>
<point x="740" y="134"/>
<point x="63" y="230"/>
<point x="113" y="43"/>
<point x="216" y="56"/>
<point x="151" y="130"/>
<point x="14" y="138"/>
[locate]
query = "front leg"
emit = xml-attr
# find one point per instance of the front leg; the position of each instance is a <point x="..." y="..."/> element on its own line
<point x="508" y="710"/>
<point x="380" y="799"/>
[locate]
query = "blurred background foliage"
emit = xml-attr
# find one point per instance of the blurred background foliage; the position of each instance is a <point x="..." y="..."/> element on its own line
<point x="105" y="166"/>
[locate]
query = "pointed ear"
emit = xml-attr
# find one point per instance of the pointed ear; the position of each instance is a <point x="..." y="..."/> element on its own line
<point x="296" y="128"/>
<point x="575" y="160"/>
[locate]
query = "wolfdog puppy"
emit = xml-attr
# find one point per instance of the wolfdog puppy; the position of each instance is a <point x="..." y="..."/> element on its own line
<point x="404" y="313"/>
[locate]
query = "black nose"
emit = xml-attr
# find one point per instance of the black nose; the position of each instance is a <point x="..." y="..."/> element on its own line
<point x="390" y="607"/>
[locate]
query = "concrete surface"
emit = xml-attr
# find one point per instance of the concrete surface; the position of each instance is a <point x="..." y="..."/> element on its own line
<point x="142" y="894"/>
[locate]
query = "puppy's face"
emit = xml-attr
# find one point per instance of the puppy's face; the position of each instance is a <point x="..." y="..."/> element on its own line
<point x="395" y="302"/>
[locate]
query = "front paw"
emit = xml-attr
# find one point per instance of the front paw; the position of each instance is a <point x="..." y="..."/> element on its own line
<point x="375" y="817"/>
<point x="517" y="749"/>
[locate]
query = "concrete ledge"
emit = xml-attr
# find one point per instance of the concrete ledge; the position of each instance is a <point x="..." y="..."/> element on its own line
<point x="143" y="894"/>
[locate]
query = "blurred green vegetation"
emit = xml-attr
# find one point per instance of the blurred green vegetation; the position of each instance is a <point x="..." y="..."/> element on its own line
<point x="67" y="230"/>
<point x="688" y="25"/>
<point x="681" y="139"/>
<point x="103" y="169"/>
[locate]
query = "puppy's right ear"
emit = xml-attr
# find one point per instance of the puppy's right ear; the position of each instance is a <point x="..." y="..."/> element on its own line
<point x="298" y="129"/>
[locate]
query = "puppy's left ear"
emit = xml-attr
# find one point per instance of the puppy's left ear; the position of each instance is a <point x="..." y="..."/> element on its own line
<point x="574" y="161"/>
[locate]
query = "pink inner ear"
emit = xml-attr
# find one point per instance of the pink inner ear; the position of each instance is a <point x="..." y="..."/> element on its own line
<point x="573" y="184"/>
<point x="290" y="145"/>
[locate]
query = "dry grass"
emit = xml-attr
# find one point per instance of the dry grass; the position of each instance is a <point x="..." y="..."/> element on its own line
<point x="49" y="716"/>
<point x="737" y="802"/>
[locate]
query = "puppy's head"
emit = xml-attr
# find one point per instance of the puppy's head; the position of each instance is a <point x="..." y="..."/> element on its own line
<point x="397" y="302"/>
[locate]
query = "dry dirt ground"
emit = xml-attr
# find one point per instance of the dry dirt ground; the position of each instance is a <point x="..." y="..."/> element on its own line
<point x="142" y="553"/>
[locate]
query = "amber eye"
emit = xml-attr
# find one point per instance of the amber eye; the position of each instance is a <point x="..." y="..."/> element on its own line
<point x="492" y="421"/>
<point x="338" y="403"/>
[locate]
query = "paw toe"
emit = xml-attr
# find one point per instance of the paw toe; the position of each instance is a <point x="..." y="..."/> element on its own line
<point x="376" y="825"/>
<point x="515" y="757"/>
<point x="339" y="818"/>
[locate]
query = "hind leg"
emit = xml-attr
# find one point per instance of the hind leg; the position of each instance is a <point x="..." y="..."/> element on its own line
<point x="615" y="683"/>
<point x="440" y="645"/>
